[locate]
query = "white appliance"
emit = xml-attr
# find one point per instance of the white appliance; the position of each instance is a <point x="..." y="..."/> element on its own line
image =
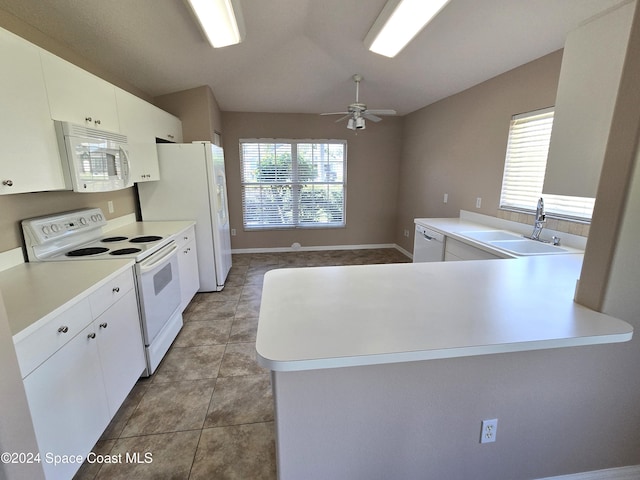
<point x="78" y="235"/>
<point x="428" y="245"/>
<point x="92" y="160"/>
<point x="192" y="186"/>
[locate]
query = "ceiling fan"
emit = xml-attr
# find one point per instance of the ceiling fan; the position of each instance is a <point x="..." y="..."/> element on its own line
<point x="357" y="112"/>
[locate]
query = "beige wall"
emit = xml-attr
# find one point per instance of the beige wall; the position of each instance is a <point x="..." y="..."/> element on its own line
<point x="372" y="177"/>
<point x="458" y="145"/>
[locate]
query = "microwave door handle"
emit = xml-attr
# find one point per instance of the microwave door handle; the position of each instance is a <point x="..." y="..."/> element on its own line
<point x="126" y="165"/>
<point x="158" y="257"/>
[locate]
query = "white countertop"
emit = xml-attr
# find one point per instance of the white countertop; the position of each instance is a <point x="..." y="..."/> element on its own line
<point x="454" y="227"/>
<point x="328" y="317"/>
<point x="162" y="229"/>
<point x="35" y="292"/>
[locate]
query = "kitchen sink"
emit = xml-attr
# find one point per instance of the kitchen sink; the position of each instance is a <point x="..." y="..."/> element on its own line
<point x="524" y="246"/>
<point x="491" y="235"/>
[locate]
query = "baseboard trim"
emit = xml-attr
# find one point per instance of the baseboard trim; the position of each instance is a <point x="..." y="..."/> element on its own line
<point x="321" y="248"/>
<point x="621" y="473"/>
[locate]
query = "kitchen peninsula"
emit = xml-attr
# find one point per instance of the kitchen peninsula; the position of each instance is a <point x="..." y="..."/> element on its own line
<point x="368" y="361"/>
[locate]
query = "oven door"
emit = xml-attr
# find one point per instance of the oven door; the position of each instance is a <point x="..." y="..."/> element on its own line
<point x="158" y="289"/>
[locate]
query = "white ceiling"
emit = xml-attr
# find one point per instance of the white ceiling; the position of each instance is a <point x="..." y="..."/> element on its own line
<point x="299" y="55"/>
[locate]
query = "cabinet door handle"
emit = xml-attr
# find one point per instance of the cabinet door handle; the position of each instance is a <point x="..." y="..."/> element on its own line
<point x="97" y="122"/>
<point x="7" y="183"/>
<point x="63" y="329"/>
<point x="116" y="289"/>
<point x="104" y="325"/>
<point x="88" y="119"/>
<point x="91" y="335"/>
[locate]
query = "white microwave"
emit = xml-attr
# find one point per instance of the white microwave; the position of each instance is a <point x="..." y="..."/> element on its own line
<point x="93" y="160"/>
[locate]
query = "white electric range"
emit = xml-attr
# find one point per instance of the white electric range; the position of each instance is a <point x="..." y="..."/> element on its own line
<point x="79" y="235"/>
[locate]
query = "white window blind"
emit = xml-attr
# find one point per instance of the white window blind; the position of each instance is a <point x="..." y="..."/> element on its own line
<point x="293" y="183"/>
<point x="524" y="169"/>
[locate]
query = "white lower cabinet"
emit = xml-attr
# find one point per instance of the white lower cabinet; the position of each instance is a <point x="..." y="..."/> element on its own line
<point x="120" y="349"/>
<point x="456" y="250"/>
<point x="95" y="358"/>
<point x="188" y="265"/>
<point x="68" y="403"/>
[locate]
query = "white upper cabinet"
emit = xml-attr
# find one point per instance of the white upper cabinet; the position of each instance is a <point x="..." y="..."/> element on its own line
<point x="142" y="123"/>
<point x="134" y="123"/>
<point x="590" y="75"/>
<point x="165" y="125"/>
<point x="29" y="160"/>
<point x="37" y="87"/>
<point x="77" y="96"/>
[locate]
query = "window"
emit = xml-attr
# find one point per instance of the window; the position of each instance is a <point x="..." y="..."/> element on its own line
<point x="293" y="183"/>
<point x="524" y="169"/>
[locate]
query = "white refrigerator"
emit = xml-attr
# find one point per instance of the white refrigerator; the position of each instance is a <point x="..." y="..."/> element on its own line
<point x="192" y="186"/>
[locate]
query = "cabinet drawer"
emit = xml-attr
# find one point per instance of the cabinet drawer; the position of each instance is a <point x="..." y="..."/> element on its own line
<point x="110" y="292"/>
<point x="44" y="342"/>
<point x="185" y="237"/>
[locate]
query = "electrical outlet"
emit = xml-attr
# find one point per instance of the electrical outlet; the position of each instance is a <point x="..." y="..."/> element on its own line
<point x="478" y="202"/>
<point x="110" y="206"/>
<point x="489" y="430"/>
<point x="233" y="232"/>
<point x="406" y="233"/>
<point x="445" y="199"/>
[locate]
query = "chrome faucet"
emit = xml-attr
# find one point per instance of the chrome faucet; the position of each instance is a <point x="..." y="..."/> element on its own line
<point x="539" y="221"/>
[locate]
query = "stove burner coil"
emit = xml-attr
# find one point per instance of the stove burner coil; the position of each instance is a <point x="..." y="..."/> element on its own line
<point x="145" y="239"/>
<point x="82" y="252"/>
<point x="125" y="251"/>
<point x="113" y="239"/>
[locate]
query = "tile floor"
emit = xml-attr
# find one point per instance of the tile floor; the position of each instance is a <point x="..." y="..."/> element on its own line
<point x="207" y="412"/>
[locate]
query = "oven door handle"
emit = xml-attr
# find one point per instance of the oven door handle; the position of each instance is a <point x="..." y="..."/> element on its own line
<point x="155" y="259"/>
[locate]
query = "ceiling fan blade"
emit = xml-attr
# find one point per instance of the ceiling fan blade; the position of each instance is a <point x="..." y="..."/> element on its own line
<point x="373" y="118"/>
<point x="335" y="113"/>
<point x="343" y="118"/>
<point x="382" y="112"/>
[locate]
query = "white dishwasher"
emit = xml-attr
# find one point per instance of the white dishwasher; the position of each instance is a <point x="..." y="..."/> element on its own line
<point x="428" y="245"/>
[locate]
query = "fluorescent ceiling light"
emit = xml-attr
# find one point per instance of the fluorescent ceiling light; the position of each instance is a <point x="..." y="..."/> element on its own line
<point x="399" y="22"/>
<point x="220" y="20"/>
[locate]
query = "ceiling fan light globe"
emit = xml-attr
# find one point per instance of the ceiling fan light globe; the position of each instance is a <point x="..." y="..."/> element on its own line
<point x="360" y="124"/>
<point x="351" y="124"/>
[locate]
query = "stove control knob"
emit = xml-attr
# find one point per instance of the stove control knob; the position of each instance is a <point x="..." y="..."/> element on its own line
<point x="55" y="228"/>
<point x="94" y="218"/>
<point x="99" y="216"/>
<point x="46" y="230"/>
<point x="83" y="221"/>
